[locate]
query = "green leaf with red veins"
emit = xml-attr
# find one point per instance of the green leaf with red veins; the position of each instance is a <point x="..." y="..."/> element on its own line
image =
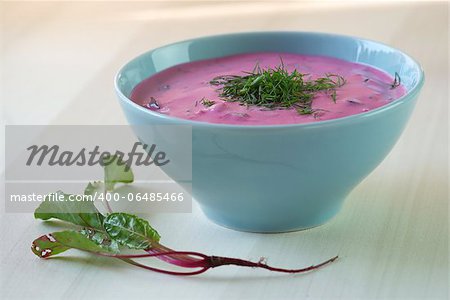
<point x="82" y="213"/>
<point x="58" y="242"/>
<point x="102" y="239"/>
<point x="46" y="246"/>
<point x="130" y="231"/>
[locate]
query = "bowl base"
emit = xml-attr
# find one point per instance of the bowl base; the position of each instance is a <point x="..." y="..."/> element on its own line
<point x="245" y="226"/>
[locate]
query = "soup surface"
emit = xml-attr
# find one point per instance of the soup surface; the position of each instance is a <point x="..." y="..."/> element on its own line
<point x="185" y="91"/>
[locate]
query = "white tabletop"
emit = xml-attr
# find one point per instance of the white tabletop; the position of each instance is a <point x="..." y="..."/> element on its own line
<point x="58" y="61"/>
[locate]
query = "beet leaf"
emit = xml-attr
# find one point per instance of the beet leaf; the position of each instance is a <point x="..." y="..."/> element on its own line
<point x="116" y="171"/>
<point x="106" y="235"/>
<point x="57" y="242"/>
<point x="82" y="213"/>
<point x="130" y="231"/>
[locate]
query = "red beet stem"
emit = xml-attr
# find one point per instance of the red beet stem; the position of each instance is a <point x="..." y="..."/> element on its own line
<point x="205" y="262"/>
<point x="200" y="263"/>
<point x="130" y="261"/>
<point x="201" y="256"/>
<point x="217" y="261"/>
<point x="192" y="260"/>
<point x="170" y="258"/>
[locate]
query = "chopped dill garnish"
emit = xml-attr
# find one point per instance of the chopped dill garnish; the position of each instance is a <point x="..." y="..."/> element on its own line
<point x="333" y="95"/>
<point x="206" y="102"/>
<point x="274" y="88"/>
<point x="397" y="81"/>
<point x="304" y="110"/>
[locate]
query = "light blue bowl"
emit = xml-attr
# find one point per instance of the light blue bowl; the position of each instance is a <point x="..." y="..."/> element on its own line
<point x="280" y="177"/>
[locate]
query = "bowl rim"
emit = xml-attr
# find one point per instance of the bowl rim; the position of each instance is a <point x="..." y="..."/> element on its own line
<point x="411" y="93"/>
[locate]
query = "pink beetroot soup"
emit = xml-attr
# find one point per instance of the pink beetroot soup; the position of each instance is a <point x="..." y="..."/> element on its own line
<point x="178" y="90"/>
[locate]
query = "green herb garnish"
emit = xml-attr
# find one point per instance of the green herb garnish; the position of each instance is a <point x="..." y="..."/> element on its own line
<point x="276" y="88"/>
<point x="206" y="102"/>
<point x="397" y="81"/>
<point x="305" y="110"/>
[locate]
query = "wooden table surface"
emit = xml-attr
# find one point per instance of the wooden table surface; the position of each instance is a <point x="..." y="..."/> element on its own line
<point x="58" y="60"/>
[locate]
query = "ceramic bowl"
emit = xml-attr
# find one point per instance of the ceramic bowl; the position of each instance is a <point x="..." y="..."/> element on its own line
<point x="278" y="178"/>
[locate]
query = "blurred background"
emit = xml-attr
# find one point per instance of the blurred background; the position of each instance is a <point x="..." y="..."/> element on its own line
<point x="54" y="52"/>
